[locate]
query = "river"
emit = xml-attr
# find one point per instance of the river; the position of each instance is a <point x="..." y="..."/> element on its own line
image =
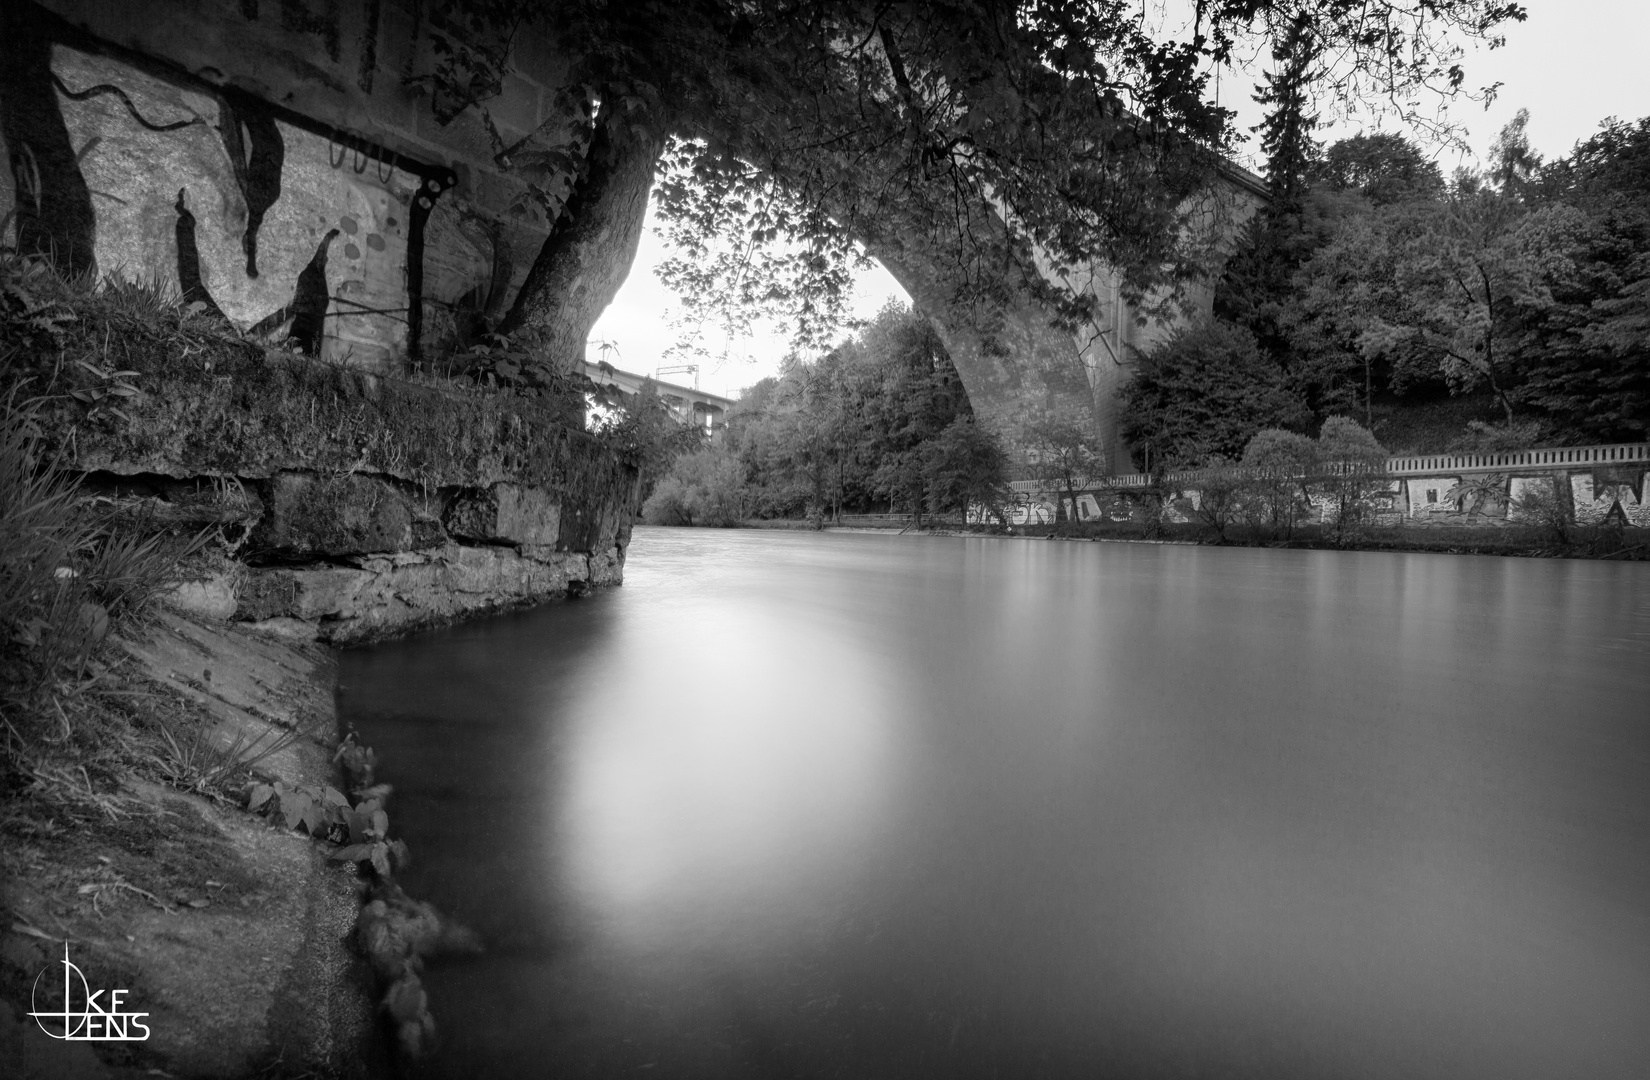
<point x="875" y="806"/>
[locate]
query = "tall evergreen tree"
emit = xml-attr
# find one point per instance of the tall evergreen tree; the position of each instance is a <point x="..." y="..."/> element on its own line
<point x="1286" y="133"/>
<point x="1257" y="276"/>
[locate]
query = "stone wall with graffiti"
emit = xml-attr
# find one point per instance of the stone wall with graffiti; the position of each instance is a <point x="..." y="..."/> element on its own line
<point x="292" y="166"/>
<point x="1603" y="493"/>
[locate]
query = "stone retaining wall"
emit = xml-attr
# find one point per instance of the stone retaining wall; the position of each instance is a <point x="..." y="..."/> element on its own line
<point x="1593" y="485"/>
<point x="356" y="506"/>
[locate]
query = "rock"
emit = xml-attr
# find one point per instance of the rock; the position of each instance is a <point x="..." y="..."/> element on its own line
<point x="288" y="629"/>
<point x="213" y="597"/>
<point x="395" y="932"/>
<point x="505" y="513"/>
<point x="318" y="514"/>
<point x="405" y="1000"/>
<point x="265" y="596"/>
<point x="383" y="596"/>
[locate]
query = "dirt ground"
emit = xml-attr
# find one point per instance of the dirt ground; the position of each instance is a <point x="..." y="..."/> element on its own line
<point x="232" y="933"/>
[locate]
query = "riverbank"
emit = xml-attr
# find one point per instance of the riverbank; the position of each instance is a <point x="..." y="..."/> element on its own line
<point x="185" y="530"/>
<point x="1580" y="542"/>
<point x="131" y="847"/>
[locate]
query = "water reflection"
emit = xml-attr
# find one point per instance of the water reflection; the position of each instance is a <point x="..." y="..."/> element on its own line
<point x="891" y="807"/>
<point x="726" y="775"/>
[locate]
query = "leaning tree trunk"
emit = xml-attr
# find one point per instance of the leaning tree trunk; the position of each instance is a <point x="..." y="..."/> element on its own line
<point x="53" y="205"/>
<point x="588" y="254"/>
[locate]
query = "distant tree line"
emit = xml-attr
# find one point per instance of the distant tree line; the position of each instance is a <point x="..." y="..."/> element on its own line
<point x="881" y="423"/>
<point x="1370" y="275"/>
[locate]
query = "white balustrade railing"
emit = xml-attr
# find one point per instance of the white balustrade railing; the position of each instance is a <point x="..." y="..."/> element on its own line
<point x="1557" y="457"/>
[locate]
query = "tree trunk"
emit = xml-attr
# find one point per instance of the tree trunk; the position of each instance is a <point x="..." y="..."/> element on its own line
<point x="53" y="204"/>
<point x="593" y="243"/>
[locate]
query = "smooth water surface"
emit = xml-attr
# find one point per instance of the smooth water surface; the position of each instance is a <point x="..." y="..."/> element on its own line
<point x="867" y="806"/>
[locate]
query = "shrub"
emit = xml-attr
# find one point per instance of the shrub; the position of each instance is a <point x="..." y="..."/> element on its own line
<point x="1279" y="462"/>
<point x="1354" y="470"/>
<point x="706" y="487"/>
<point x="1206" y="390"/>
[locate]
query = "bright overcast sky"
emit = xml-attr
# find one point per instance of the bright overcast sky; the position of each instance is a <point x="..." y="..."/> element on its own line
<point x="1573" y="63"/>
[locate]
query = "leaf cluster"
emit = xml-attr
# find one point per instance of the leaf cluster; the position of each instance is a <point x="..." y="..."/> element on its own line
<point x="361" y="832"/>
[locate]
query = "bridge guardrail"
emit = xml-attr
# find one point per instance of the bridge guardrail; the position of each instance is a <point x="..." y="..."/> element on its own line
<point x="1406" y="465"/>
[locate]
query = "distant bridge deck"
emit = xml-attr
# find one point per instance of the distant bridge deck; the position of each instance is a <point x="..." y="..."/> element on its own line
<point x="689" y="404"/>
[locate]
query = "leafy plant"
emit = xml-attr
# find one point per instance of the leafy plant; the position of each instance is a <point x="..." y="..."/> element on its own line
<point x="361" y="831"/>
<point x="111" y="387"/>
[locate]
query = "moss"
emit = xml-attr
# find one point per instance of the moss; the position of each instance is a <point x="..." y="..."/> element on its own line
<point x="212" y="404"/>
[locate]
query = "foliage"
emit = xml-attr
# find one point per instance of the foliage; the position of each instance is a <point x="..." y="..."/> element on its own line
<point x="1353" y="470"/>
<point x="201" y="764"/>
<point x="66" y="580"/>
<point x="1583" y="339"/>
<point x="966" y="465"/>
<point x="1536" y="287"/>
<point x="1278" y="463"/>
<point x="1611" y="166"/>
<point x="1224" y="495"/>
<point x="1382" y="166"/>
<point x="209" y="398"/>
<point x="881" y="422"/>
<point x="641" y="429"/>
<point x="867" y="425"/>
<point x="1061" y="446"/>
<point x="1513" y="164"/>
<point x="983" y="130"/>
<point x="1460" y="269"/>
<point x="1206" y="390"/>
<point x="1286" y="132"/>
<point x="1483" y="438"/>
<point x="723" y="222"/>
<point x="705" y="487"/>
<point x="1545" y="506"/>
<point x="361" y="831"/>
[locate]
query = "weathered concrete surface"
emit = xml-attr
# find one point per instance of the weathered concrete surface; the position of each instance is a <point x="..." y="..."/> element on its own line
<point x="315" y="513"/>
<point x="252" y="687"/>
<point x="237" y="940"/>
<point x="390" y="594"/>
<point x="505" y="514"/>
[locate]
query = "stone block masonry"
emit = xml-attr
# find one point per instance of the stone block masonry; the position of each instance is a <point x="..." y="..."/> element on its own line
<point x="358" y="506"/>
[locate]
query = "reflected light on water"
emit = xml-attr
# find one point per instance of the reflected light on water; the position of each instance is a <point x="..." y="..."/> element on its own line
<point x="732" y="771"/>
<point x="898" y="807"/>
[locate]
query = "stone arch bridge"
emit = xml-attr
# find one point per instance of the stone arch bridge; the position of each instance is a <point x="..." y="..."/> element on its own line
<point x="273" y="164"/>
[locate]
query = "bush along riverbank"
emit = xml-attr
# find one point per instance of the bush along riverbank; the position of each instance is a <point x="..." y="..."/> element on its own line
<point x="188" y="521"/>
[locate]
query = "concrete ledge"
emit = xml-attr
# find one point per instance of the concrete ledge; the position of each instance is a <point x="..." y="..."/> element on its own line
<point x="385" y="595"/>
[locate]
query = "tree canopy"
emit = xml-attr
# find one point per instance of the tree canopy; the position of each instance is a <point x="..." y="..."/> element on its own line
<point x="879" y="423"/>
<point x="992" y="147"/>
<point x="1527" y="285"/>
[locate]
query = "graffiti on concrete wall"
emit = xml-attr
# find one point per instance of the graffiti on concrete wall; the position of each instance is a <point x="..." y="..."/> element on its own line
<point x="1597" y="497"/>
<point x="1610" y="496"/>
<point x="291" y="236"/>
